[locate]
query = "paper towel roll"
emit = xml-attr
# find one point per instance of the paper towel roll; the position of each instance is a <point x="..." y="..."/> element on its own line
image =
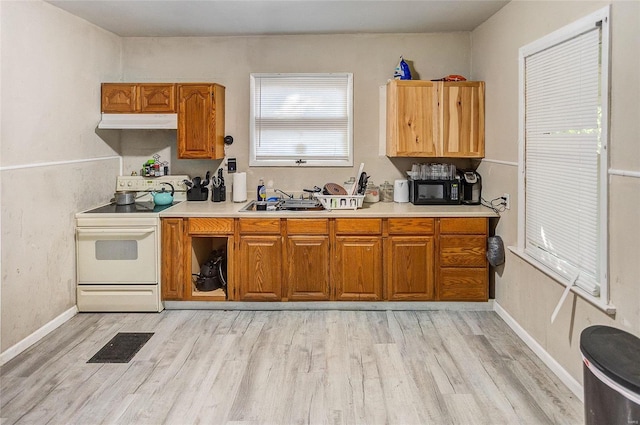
<point x="239" y="187"/>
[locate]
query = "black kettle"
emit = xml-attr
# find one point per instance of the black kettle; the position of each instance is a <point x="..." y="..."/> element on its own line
<point x="211" y="276"/>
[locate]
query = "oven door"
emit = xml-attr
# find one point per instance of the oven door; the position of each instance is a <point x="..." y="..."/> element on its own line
<point x="117" y="255"/>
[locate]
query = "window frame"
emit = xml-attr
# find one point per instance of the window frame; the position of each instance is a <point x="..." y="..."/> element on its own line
<point x="557" y="37"/>
<point x="306" y="162"/>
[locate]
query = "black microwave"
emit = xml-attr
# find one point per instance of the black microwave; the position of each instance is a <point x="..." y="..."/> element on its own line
<point x="434" y="192"/>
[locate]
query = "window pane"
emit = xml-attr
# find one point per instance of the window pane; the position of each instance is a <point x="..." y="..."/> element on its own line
<point x="562" y="158"/>
<point x="301" y="116"/>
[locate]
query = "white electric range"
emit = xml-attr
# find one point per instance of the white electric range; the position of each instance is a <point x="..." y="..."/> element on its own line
<point x="118" y="249"/>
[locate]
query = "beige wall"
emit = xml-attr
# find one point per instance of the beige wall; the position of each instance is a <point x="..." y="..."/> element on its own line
<point x="230" y="60"/>
<point x="526" y="294"/>
<point x="52" y="66"/>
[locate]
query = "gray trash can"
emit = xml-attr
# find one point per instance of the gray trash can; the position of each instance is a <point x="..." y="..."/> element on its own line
<point x="611" y="370"/>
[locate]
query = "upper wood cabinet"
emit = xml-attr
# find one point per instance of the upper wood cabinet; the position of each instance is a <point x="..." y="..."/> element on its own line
<point x="435" y="119"/>
<point x="411" y="118"/>
<point x="157" y="98"/>
<point x="461" y="119"/>
<point x="130" y="98"/>
<point x="201" y="121"/>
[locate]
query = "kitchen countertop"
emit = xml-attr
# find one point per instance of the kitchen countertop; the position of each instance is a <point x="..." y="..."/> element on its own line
<point x="378" y="209"/>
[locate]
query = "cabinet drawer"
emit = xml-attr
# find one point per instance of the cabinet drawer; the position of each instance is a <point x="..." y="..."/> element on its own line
<point x="359" y="226"/>
<point x="463" y="285"/>
<point x="308" y="226"/>
<point x="463" y="251"/>
<point x="210" y="226"/>
<point x="476" y="226"/>
<point x="259" y="225"/>
<point x="411" y="226"/>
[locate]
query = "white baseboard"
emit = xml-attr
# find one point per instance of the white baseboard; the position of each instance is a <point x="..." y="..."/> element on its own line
<point x="18" y="348"/>
<point x="573" y="385"/>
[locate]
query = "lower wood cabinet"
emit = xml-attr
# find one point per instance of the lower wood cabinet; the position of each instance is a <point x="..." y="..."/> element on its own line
<point x="463" y="270"/>
<point x="341" y="259"/>
<point x="410" y="268"/>
<point x="409" y="256"/>
<point x="173" y="259"/>
<point x="357" y="267"/>
<point x="259" y="260"/>
<point x="186" y="245"/>
<point x="307" y="260"/>
<point x="260" y="268"/>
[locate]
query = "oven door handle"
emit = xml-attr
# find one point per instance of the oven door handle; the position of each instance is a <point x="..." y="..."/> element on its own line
<point x="140" y="231"/>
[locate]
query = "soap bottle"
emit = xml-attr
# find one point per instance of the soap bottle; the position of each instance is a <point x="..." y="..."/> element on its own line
<point x="262" y="192"/>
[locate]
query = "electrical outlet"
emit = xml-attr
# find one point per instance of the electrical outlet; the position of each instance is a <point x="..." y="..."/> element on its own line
<point x="506" y="200"/>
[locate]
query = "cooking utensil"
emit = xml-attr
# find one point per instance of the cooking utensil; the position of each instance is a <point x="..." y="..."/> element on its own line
<point x="333" y="189"/>
<point x="163" y="197"/>
<point x="124" y="198"/>
<point x="222" y="190"/>
<point x="187" y="183"/>
<point x="197" y="181"/>
<point x="315" y="189"/>
<point x="206" y="179"/>
<point x="362" y="183"/>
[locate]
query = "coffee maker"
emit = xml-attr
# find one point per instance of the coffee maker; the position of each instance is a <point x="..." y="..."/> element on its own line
<point x="471" y="184"/>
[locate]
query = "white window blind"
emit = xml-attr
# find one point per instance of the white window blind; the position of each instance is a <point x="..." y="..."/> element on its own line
<point x="564" y="155"/>
<point x="301" y="119"/>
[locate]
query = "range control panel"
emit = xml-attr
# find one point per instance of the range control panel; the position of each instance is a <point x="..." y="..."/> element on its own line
<point x="147" y="184"/>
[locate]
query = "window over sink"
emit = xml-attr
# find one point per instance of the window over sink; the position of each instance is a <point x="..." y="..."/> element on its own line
<point x="301" y="120"/>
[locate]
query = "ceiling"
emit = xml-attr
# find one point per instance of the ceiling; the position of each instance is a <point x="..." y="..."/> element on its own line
<point x="181" y="18"/>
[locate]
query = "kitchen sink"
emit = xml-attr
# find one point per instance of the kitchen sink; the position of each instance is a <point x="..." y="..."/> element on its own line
<point x="283" y="205"/>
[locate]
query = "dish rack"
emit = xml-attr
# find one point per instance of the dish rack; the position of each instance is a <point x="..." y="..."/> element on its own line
<point x="340" y="202"/>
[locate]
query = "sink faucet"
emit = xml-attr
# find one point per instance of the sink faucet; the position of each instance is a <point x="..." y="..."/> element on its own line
<point x="284" y="193"/>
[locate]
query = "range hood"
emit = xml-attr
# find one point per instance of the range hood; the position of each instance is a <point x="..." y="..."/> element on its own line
<point x="139" y="121"/>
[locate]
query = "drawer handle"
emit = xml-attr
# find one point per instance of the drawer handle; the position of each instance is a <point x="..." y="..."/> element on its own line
<point x="143" y="231"/>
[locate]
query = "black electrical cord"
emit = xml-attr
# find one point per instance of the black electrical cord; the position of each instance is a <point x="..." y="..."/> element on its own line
<point x="498" y="204"/>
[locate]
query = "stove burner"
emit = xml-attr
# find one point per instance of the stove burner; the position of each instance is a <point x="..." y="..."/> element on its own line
<point x="138" y="207"/>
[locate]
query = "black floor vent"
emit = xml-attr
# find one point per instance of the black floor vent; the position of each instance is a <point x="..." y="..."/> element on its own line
<point x="121" y="348"/>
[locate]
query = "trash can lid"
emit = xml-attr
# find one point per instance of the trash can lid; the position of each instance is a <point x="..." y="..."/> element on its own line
<point x="615" y="353"/>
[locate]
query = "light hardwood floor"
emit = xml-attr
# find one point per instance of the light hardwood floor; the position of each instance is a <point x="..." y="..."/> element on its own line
<point x="287" y="367"/>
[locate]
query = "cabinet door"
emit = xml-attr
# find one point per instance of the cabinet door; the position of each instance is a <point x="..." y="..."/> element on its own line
<point x="200" y="121"/>
<point x="411" y="118"/>
<point x="308" y="268"/>
<point x="119" y="98"/>
<point x="410" y="268"/>
<point x="358" y="273"/>
<point x="260" y="268"/>
<point x="462" y="119"/>
<point x="173" y="259"/>
<point x="157" y="98"/>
